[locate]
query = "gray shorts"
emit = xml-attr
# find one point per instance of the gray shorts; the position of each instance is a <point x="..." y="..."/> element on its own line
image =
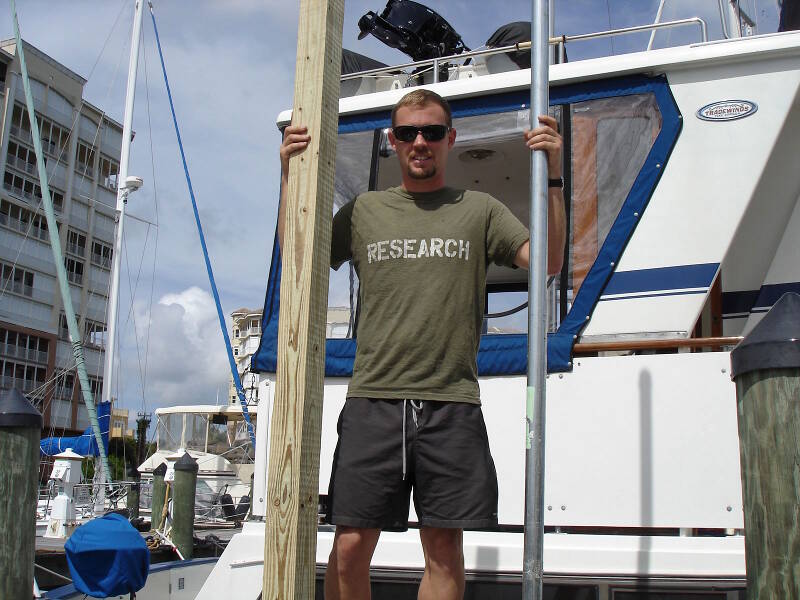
<point x="447" y="465"/>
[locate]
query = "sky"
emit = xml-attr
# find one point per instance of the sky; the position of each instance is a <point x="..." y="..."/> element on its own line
<point x="231" y="70"/>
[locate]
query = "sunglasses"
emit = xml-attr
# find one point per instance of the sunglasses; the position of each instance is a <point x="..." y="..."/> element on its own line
<point x="430" y="133"/>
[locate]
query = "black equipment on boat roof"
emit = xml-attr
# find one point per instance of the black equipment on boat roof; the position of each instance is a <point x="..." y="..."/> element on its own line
<point x="513" y="33"/>
<point x="413" y="29"/>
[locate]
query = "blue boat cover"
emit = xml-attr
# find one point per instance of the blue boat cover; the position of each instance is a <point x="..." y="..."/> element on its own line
<point x="84" y="444"/>
<point x="107" y="557"/>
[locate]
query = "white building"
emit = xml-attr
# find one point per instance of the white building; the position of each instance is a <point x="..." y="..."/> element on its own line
<point x="82" y="148"/>
<point x="246" y="336"/>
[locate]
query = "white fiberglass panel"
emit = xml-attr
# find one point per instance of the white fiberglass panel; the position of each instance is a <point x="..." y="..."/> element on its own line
<point x="633" y="441"/>
<point x="719" y="178"/>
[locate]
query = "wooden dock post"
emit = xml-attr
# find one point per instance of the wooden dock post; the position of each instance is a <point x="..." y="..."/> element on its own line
<point x="20" y="430"/>
<point x="292" y="492"/>
<point x="766" y="368"/>
<point x="183" y="501"/>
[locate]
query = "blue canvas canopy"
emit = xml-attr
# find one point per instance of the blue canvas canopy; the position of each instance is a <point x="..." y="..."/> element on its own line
<point x="107" y="557"/>
<point x="84" y="444"/>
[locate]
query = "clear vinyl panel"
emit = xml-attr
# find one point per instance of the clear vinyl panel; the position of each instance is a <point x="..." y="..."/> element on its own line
<point x="610" y="140"/>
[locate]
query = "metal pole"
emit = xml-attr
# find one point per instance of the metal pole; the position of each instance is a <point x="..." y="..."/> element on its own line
<point x="122" y="200"/>
<point x="551" y="31"/>
<point x="656" y="22"/>
<point x="537" y="320"/>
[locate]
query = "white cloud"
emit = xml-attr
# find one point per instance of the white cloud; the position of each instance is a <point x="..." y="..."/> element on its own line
<point x="186" y="359"/>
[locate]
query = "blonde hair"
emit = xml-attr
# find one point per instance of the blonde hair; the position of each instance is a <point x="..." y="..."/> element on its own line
<point x="422" y="97"/>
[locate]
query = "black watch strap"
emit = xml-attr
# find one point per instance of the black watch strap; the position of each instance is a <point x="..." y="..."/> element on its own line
<point x="558" y="182"/>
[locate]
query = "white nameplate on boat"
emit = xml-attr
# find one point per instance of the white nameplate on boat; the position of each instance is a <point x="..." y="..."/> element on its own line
<point x="727" y="110"/>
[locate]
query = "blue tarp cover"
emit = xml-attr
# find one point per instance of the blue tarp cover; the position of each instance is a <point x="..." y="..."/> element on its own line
<point x="107" y="557"/>
<point x="84" y="444"/>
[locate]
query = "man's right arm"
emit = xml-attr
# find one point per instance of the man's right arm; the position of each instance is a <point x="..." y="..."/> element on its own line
<point x="295" y="141"/>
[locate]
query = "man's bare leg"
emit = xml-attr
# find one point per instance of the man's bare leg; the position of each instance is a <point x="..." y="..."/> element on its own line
<point x="347" y="575"/>
<point x="444" y="564"/>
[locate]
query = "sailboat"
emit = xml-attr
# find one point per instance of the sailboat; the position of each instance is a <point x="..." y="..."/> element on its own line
<point x="683" y="206"/>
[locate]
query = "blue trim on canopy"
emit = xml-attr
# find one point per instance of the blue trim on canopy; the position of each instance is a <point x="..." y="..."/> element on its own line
<point x="507" y="354"/>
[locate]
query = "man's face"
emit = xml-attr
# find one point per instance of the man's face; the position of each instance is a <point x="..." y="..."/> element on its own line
<point x="422" y="162"/>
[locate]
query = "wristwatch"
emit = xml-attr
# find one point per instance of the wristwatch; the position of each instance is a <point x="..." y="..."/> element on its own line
<point x="557" y="182"/>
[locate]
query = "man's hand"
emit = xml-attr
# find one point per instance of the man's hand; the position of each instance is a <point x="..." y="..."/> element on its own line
<point x="546" y="137"/>
<point x="295" y="141"/>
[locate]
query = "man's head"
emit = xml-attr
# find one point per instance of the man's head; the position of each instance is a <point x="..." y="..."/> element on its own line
<point x="422" y="136"/>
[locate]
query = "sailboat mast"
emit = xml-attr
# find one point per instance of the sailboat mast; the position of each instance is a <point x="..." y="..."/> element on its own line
<point x="533" y="556"/>
<point x="123" y="190"/>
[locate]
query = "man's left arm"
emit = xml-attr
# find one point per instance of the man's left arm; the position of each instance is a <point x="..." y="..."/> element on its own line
<point x="546" y="137"/>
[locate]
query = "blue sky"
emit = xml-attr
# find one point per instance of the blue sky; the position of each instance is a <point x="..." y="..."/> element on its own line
<point x="231" y="69"/>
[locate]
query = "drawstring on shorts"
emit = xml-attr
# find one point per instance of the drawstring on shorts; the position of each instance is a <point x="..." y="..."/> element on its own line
<point x="415" y="409"/>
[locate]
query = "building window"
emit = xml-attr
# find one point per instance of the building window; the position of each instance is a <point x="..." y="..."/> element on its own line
<point x="84" y="160"/>
<point x="76" y="243"/>
<point x="25" y="377"/>
<point x="63" y="329"/>
<point x="255" y="324"/>
<point x="109" y="170"/>
<point x="22" y="158"/>
<point x="27" y="189"/>
<point x="23" y="346"/>
<point x="54" y="137"/>
<point x="236" y="333"/>
<point x="101" y="254"/>
<point x="22" y="220"/>
<point x="94" y="334"/>
<point x="236" y="351"/>
<point x="74" y="270"/>
<point x="64" y="387"/>
<point x="17" y="280"/>
<point x="96" y="386"/>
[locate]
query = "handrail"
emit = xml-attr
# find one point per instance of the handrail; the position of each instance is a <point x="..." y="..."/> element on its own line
<point x="709" y="342"/>
<point x="553" y="41"/>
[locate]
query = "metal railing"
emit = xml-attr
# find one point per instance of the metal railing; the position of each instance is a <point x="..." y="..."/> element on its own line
<point x="559" y="41"/>
<point x="22" y="165"/>
<point x="24" y="353"/>
<point x="76" y="249"/>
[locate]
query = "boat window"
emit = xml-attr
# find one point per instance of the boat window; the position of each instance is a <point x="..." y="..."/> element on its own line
<point x="609" y="140"/>
<point x="168" y="435"/>
<point x="353" y="159"/>
<point x="196" y="426"/>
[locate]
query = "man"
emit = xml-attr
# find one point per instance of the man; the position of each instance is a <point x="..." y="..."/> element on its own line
<point x="412" y="419"/>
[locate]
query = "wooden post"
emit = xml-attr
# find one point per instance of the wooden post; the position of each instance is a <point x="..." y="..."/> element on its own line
<point x="157" y="499"/>
<point x="293" y="477"/>
<point x="766" y="367"/>
<point x="185" y="486"/>
<point x="20" y="430"/>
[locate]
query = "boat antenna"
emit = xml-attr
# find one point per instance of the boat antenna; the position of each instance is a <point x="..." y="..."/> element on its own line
<point x="533" y="553"/>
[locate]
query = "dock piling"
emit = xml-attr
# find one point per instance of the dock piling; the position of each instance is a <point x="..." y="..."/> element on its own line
<point x="183" y="497"/>
<point x="159" y="492"/>
<point x="20" y="432"/>
<point x="766" y="369"/>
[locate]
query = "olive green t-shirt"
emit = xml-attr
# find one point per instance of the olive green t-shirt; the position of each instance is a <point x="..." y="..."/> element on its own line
<point x="421" y="260"/>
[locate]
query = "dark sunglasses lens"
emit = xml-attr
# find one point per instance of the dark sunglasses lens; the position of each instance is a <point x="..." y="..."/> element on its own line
<point x="405" y="133"/>
<point x="431" y="133"/>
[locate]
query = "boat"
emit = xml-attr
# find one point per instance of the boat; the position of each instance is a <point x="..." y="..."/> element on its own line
<point x="217" y="438"/>
<point x="683" y="206"/>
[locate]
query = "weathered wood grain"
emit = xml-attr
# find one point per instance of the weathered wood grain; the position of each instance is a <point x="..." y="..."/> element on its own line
<point x="292" y="489"/>
<point x="19" y="491"/>
<point x="769" y="441"/>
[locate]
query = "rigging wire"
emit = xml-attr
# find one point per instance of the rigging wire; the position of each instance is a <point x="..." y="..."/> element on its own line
<point x="610" y="26"/>
<point x="223" y="327"/>
<point x="155" y="243"/>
